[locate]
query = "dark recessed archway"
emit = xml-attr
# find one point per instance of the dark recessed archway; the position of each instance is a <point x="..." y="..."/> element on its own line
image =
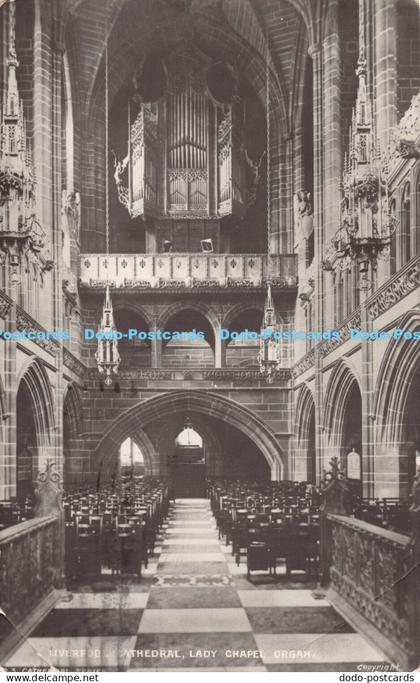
<point x="203" y="403"/>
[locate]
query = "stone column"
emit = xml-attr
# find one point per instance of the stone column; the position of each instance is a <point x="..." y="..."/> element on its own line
<point x="156" y="350"/>
<point x="219" y="351"/>
<point x="331" y="148"/>
<point x="315" y="52"/>
<point x="44" y="142"/>
<point x="385" y="68"/>
<point x="8" y="408"/>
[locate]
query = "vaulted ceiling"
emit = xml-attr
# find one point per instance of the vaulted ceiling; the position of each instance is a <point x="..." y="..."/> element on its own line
<point x="245" y="31"/>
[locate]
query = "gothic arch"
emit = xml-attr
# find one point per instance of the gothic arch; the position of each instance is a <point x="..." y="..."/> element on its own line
<point x="137" y="308"/>
<point x="202" y="402"/>
<point x="342" y="381"/>
<point x="305" y="404"/>
<point x="34" y="376"/>
<point x="180" y="306"/>
<point x="72" y="408"/>
<point x="236" y="310"/>
<point x="399" y="365"/>
<point x="110" y="455"/>
<point x="305" y="464"/>
<point x="211" y="441"/>
<point x="225" y="40"/>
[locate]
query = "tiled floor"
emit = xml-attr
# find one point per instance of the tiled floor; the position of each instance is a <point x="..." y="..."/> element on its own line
<point x="195" y="608"/>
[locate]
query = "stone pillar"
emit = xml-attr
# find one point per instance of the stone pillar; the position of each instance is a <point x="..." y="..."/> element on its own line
<point x="156" y="350"/>
<point x="385" y="67"/>
<point x="315" y="52"/>
<point x="44" y="140"/>
<point x="219" y="351"/>
<point x="367" y="390"/>
<point x="331" y="147"/>
<point x="331" y="94"/>
<point x="57" y="53"/>
<point x="8" y="407"/>
<point x="280" y="239"/>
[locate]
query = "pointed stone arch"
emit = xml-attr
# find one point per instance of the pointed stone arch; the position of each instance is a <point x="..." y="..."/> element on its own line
<point x="202" y="402"/>
<point x="35" y="377"/>
<point x="399" y="365"/>
<point x="304" y="430"/>
<point x="35" y="426"/>
<point x="339" y="387"/>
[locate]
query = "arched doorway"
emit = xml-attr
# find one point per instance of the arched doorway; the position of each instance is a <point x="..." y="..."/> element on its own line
<point x="311" y="453"/>
<point x="411" y="432"/>
<point x="188" y="465"/>
<point x="304" y="468"/>
<point x="71" y="434"/>
<point x="235" y="439"/>
<point x="35" y="427"/>
<point x="397" y="403"/>
<point x="351" y="451"/>
<point x="26" y="444"/>
<point x="131" y="461"/>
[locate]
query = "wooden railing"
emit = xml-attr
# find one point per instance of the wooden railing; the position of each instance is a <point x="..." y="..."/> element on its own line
<point x="374" y="583"/>
<point x="371" y="575"/>
<point x="31" y="558"/>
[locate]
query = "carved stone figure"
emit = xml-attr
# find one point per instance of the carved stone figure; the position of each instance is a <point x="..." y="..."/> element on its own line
<point x="304" y="213"/>
<point x="71" y="209"/>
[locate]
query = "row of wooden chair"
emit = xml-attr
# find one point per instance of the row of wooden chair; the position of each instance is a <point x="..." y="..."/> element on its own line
<point x="388" y="513"/>
<point x="279" y="521"/>
<point x="114" y="529"/>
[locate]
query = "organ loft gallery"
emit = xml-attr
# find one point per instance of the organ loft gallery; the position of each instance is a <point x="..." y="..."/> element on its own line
<point x="210" y="336"/>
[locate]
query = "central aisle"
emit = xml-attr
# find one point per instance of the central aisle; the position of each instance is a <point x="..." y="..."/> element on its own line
<point x="195" y="608"/>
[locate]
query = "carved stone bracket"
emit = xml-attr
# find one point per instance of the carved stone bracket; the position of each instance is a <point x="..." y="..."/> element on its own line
<point x="5" y="305"/>
<point x="25" y="322"/>
<point x="73" y="363"/>
<point x="305" y="363"/>
<point x="408" y="149"/>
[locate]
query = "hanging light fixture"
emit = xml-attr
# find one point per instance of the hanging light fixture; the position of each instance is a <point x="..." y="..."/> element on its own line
<point x="21" y="235"/>
<point x="366" y="225"/>
<point x="107" y="355"/>
<point x="269" y="354"/>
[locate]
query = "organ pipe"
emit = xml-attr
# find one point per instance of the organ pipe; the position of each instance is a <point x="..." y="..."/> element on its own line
<point x="188" y="121"/>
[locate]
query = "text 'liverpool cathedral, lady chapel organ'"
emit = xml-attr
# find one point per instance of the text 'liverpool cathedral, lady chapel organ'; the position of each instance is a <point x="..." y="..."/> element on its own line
<point x="210" y="333"/>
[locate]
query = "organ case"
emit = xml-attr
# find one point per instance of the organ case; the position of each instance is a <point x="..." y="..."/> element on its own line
<point x="186" y="156"/>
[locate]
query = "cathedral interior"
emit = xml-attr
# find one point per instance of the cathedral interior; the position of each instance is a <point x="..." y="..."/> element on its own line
<point x="210" y="335"/>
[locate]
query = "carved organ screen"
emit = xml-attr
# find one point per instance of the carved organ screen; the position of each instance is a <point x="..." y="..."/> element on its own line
<point x="186" y="156"/>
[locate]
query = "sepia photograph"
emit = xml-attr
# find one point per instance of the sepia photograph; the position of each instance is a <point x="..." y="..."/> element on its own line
<point x="209" y="338"/>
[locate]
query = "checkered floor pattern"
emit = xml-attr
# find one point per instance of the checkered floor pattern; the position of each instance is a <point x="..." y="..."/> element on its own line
<point x="195" y="608"/>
